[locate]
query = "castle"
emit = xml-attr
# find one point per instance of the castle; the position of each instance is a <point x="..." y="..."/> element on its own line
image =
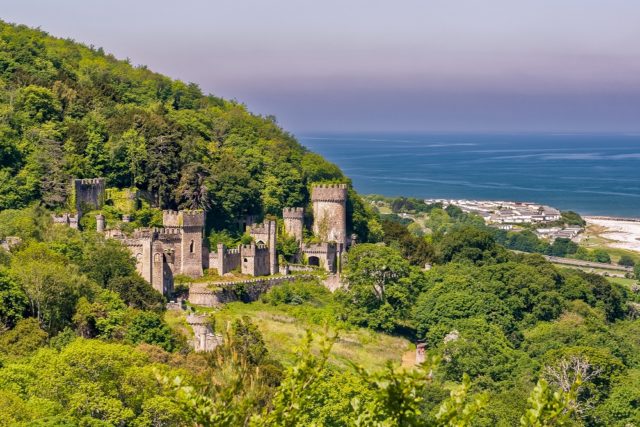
<point x="177" y="248"/>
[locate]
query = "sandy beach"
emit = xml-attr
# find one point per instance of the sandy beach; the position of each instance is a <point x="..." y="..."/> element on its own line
<point x="623" y="234"/>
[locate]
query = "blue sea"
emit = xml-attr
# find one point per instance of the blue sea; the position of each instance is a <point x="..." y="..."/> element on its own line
<point x="588" y="173"/>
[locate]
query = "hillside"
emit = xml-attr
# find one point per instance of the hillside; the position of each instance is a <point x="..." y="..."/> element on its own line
<point x="439" y="325"/>
<point x="72" y="111"/>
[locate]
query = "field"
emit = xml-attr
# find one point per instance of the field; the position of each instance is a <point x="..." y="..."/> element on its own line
<point x="284" y="330"/>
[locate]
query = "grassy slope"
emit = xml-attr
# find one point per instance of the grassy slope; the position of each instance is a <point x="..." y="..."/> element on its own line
<point x="283" y="333"/>
<point x="284" y="328"/>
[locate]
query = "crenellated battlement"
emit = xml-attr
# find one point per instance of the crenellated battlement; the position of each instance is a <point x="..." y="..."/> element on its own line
<point x="90" y="181"/>
<point x="168" y="230"/>
<point x="293" y="213"/>
<point x="343" y="186"/>
<point x="319" y="248"/>
<point x="185" y="218"/>
<point x="253" y="250"/>
<point x="171" y="218"/>
<point x="329" y="193"/>
<point x="143" y="233"/>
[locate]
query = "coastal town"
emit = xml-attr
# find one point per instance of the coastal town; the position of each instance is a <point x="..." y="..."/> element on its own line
<point x="509" y="215"/>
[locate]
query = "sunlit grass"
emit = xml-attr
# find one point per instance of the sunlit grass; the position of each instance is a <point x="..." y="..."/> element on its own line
<point x="283" y="333"/>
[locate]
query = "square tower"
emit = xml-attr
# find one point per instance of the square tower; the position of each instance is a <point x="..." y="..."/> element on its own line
<point x="88" y="194"/>
<point x="189" y="252"/>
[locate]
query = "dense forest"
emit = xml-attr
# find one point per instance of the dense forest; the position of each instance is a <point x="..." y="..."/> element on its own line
<point x="510" y="339"/>
<point x="71" y="111"/>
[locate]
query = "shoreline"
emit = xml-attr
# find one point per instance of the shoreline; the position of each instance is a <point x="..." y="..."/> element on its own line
<point x="620" y="233"/>
<point x="609" y="218"/>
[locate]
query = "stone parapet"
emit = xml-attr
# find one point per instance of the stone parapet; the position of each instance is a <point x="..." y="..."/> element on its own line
<point x="329" y="193"/>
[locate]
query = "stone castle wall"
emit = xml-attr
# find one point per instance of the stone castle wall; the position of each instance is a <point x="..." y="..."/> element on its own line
<point x="225" y="259"/>
<point x="324" y="255"/>
<point x="242" y="290"/>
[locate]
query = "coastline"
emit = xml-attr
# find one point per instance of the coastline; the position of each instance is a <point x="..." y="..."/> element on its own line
<point x="616" y="232"/>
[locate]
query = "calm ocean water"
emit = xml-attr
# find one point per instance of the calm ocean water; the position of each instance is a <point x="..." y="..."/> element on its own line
<point x="591" y="174"/>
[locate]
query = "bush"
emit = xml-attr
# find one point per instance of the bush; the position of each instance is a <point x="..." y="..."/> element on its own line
<point x="626" y="261"/>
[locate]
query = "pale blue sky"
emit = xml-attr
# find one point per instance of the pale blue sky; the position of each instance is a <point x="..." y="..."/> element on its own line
<point x="368" y="65"/>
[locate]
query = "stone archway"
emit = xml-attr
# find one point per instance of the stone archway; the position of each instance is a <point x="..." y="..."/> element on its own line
<point x="314" y="260"/>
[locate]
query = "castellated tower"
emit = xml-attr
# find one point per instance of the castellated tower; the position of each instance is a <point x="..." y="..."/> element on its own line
<point x="265" y="234"/>
<point x="330" y="213"/>
<point x="191" y="224"/>
<point x="294" y="222"/>
<point x="88" y="193"/>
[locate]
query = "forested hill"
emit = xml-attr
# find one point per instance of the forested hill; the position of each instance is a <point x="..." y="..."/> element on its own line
<point x="68" y="110"/>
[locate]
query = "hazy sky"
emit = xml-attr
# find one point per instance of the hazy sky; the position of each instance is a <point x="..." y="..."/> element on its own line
<point x="369" y="65"/>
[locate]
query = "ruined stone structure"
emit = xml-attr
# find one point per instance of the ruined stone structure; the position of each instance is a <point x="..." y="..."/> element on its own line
<point x="161" y="253"/>
<point x="100" y="223"/>
<point x="323" y="255"/>
<point x="330" y="213"/>
<point x="329" y="226"/>
<point x="256" y="259"/>
<point x="68" y="219"/>
<point x="204" y="339"/>
<point x="88" y="194"/>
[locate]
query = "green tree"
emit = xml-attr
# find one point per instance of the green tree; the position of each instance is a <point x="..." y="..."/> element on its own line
<point x="137" y="293"/>
<point x="380" y="286"/>
<point x="106" y="260"/>
<point x="13" y="301"/>
<point x="149" y="328"/>
<point x="192" y="191"/>
<point x="24" y="339"/>
<point x="626" y="261"/>
<point x="51" y="284"/>
<point x="38" y="103"/>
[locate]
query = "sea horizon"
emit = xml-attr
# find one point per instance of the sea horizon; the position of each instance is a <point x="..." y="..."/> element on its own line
<point x="595" y="174"/>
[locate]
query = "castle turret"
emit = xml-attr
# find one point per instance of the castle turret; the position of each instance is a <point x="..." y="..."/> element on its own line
<point x="330" y="213"/>
<point x="100" y="223"/>
<point x="294" y="222"/>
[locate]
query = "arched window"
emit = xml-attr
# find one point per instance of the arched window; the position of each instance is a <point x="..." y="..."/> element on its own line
<point x="157" y="257"/>
<point x="314" y="260"/>
<point x="191" y="246"/>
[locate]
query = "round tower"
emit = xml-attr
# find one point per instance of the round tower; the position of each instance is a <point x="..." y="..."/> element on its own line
<point x="330" y="213"/>
<point x="294" y="222"/>
<point x="100" y="223"/>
